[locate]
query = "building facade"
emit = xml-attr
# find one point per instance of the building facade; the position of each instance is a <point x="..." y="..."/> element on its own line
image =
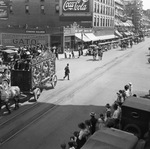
<point x="123" y="23"/>
<point x="98" y="14"/>
<point x="27" y="20"/>
<point x="135" y="10"/>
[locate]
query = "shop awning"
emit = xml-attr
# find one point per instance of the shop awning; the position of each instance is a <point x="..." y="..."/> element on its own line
<point x="107" y="37"/>
<point x="82" y="37"/>
<point x="118" y="33"/>
<point x="91" y="36"/>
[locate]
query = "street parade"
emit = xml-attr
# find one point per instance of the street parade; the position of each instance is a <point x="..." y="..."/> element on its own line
<point x="74" y="74"/>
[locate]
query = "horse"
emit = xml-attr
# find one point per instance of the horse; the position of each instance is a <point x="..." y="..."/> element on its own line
<point x="10" y="94"/>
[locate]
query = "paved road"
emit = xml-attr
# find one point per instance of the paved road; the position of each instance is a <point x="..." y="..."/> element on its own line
<point x="92" y="85"/>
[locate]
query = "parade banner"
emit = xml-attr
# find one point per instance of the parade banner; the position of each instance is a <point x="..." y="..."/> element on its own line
<point x="24" y="39"/>
<point x="3" y="10"/>
<point x="75" y="6"/>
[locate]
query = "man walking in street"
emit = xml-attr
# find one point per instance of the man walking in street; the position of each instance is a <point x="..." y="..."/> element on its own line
<point x="67" y="71"/>
<point x="100" y="53"/>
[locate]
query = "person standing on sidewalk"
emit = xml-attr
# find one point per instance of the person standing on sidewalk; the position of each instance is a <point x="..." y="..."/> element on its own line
<point x="67" y="71"/>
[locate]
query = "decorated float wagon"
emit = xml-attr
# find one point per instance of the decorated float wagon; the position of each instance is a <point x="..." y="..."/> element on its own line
<point x="31" y="74"/>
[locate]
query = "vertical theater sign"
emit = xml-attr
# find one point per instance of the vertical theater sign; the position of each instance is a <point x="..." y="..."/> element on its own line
<point x="75" y="6"/>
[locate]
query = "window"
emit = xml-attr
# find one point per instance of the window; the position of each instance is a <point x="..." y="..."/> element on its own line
<point x="42" y="0"/>
<point x="104" y="10"/>
<point x="10" y="9"/>
<point x="26" y="1"/>
<point x="95" y="7"/>
<point x="97" y="20"/>
<point x="27" y="9"/>
<point x="42" y="9"/>
<point x="94" y="20"/>
<point x="101" y="21"/>
<point x="99" y="8"/>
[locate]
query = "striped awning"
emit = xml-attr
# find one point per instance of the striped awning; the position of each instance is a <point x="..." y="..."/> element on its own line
<point x="82" y="37"/>
<point x="106" y="37"/>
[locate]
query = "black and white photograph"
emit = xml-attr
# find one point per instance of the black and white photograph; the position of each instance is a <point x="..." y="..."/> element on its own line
<point x="74" y="74"/>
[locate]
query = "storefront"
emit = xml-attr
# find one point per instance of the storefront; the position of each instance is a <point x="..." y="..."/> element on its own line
<point x="15" y="39"/>
<point x="75" y="36"/>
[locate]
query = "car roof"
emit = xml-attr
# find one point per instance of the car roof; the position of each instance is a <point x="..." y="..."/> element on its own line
<point x="137" y="103"/>
<point x="110" y="138"/>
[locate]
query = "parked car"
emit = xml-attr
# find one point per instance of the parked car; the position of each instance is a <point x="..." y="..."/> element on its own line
<point x="111" y="138"/>
<point x="136" y="116"/>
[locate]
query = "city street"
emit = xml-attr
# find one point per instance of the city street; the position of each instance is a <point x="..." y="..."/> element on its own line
<point x="92" y="85"/>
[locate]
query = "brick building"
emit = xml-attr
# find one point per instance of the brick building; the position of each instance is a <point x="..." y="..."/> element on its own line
<point x="54" y="18"/>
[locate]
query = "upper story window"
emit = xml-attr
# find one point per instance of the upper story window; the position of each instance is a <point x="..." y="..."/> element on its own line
<point x="42" y="0"/>
<point x="94" y="21"/>
<point x="104" y="9"/>
<point x="97" y="20"/>
<point x="101" y="21"/>
<point x="26" y="1"/>
<point x="27" y="9"/>
<point x="97" y="8"/>
<point x="94" y="7"/>
<point x="101" y="9"/>
<point x="42" y="9"/>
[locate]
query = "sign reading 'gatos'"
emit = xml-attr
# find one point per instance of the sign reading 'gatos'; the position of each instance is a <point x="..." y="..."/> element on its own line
<point x="75" y="6"/>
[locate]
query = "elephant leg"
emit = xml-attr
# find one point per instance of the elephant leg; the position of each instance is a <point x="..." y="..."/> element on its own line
<point x="7" y="107"/>
<point x="16" y="100"/>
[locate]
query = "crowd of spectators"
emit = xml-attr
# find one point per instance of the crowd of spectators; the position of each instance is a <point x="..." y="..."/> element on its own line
<point x="110" y="118"/>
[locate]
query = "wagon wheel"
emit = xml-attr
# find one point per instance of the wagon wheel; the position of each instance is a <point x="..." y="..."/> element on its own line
<point x="54" y="81"/>
<point x="132" y="128"/>
<point x="36" y="93"/>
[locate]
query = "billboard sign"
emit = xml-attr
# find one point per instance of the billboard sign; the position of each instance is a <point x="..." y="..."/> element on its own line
<point x="75" y="6"/>
<point x="9" y="39"/>
<point x="3" y="10"/>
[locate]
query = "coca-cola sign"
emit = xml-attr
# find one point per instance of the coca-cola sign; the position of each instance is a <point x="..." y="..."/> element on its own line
<point x="75" y="5"/>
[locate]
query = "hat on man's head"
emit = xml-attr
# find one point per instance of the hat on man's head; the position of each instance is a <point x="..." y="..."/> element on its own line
<point x="108" y="105"/>
<point x="130" y="83"/>
<point x="92" y="114"/>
